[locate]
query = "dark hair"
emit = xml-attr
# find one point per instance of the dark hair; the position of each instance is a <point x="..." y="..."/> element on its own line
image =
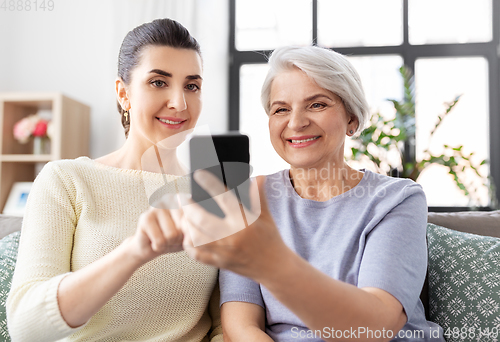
<point x="160" y="32"/>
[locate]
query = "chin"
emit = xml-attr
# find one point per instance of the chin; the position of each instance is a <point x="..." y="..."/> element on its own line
<point x="300" y="158"/>
<point x="300" y="164"/>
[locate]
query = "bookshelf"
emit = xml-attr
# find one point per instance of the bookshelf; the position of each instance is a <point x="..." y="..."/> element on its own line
<point x="71" y="123"/>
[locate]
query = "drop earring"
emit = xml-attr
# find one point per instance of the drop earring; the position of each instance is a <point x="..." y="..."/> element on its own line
<point x="125" y="114"/>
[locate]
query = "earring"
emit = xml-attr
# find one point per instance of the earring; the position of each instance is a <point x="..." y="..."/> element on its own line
<point x="125" y="114"/>
<point x="351" y="132"/>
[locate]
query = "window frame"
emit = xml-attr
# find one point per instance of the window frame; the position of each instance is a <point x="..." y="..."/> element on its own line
<point x="410" y="53"/>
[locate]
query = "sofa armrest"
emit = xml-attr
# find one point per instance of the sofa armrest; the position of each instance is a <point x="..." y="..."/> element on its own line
<point x="485" y="223"/>
<point x="9" y="224"/>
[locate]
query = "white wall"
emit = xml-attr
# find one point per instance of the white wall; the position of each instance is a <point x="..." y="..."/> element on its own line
<point x="74" y="49"/>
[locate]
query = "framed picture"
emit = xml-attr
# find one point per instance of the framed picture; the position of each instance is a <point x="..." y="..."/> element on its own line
<point x="17" y="199"/>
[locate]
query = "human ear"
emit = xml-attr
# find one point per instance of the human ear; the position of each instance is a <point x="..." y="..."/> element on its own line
<point x="352" y="125"/>
<point x="121" y="94"/>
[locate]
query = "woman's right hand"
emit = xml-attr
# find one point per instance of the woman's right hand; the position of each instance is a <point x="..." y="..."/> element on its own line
<point x="157" y="233"/>
<point x="84" y="292"/>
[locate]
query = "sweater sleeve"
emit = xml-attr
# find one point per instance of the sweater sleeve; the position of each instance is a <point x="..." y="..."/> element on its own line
<point x="44" y="259"/>
<point x="214" y="310"/>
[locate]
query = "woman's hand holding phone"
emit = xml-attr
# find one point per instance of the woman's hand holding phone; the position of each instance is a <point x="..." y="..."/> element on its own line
<point x="249" y="250"/>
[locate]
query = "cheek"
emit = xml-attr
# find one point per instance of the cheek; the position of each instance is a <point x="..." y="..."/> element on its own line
<point x="194" y="106"/>
<point x="272" y="128"/>
<point x="145" y="101"/>
<point x="276" y="129"/>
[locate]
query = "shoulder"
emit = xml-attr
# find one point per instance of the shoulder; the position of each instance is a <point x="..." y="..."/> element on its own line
<point x="58" y="167"/>
<point x="66" y="169"/>
<point x="57" y="185"/>
<point x="276" y="184"/>
<point x="277" y="177"/>
<point x="382" y="194"/>
<point x="383" y="186"/>
<point x="69" y="164"/>
<point x="73" y="174"/>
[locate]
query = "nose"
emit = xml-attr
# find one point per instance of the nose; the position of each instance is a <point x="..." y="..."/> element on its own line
<point x="177" y="100"/>
<point x="298" y="120"/>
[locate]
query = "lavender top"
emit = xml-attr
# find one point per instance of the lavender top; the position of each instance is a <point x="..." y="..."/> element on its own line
<point x="373" y="235"/>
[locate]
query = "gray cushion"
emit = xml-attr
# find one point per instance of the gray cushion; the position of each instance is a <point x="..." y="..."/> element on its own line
<point x="8" y="258"/>
<point x="464" y="284"/>
<point x="475" y="222"/>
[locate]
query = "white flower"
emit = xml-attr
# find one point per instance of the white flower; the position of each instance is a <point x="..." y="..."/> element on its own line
<point x="25" y="127"/>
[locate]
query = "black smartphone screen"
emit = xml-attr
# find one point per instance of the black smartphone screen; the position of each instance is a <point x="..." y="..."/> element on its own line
<point x="227" y="156"/>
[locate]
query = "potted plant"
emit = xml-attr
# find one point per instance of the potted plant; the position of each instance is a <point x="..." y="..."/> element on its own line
<point x="396" y="137"/>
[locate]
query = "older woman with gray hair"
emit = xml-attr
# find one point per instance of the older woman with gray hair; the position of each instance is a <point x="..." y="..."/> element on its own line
<point x="336" y="253"/>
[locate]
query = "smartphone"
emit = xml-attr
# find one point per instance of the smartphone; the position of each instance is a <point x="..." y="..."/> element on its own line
<point x="227" y="156"/>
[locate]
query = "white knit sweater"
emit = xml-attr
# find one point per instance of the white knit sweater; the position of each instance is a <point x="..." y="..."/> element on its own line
<point x="78" y="211"/>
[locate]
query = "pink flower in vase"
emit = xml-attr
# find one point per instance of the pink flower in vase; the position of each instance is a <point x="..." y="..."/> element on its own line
<point x="24" y="128"/>
<point x="40" y="129"/>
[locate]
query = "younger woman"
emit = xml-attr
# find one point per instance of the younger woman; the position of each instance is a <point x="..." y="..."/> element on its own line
<point x="95" y="262"/>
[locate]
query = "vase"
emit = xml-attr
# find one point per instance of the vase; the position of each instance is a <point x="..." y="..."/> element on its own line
<point x="41" y="145"/>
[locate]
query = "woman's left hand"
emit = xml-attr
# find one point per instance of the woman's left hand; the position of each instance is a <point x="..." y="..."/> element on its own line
<point x="250" y="247"/>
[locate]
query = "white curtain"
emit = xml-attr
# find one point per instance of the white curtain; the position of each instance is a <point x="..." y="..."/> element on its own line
<point x="131" y="13"/>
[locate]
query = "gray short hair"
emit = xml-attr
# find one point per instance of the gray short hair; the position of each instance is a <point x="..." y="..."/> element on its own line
<point x="329" y="69"/>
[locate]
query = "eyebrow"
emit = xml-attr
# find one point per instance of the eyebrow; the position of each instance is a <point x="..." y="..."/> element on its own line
<point x="167" y="74"/>
<point x="194" y="77"/>
<point x="314" y="97"/>
<point x="278" y="103"/>
<point x="310" y="98"/>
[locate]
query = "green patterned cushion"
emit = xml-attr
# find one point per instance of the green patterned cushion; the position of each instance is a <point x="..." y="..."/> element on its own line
<point x="464" y="284"/>
<point x="8" y="257"/>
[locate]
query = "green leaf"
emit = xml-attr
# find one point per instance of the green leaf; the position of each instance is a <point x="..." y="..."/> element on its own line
<point x="386" y="136"/>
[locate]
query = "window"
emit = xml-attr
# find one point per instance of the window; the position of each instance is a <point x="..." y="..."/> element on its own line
<point x="451" y="45"/>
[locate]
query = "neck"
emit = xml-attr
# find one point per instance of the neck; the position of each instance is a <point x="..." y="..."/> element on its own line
<point x="325" y="183"/>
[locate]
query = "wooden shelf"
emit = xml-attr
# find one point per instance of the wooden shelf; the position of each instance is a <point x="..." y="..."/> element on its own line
<point x="70" y="122"/>
<point x="26" y="158"/>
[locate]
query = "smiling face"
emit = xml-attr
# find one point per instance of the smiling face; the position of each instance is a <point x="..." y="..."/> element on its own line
<point x="164" y="94"/>
<point x="307" y="123"/>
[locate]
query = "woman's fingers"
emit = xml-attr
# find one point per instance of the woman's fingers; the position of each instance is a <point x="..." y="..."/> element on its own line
<point x="253" y="213"/>
<point x="187" y="242"/>
<point x="149" y="226"/>
<point x="245" y="252"/>
<point x="199" y="218"/>
<point x="193" y="239"/>
<point x="176" y="215"/>
<point x="158" y="227"/>
<point x="200" y="253"/>
<point x="205" y="227"/>
<point x="260" y="195"/>
<point x="226" y="200"/>
<point x="204" y="256"/>
<point x="201" y="226"/>
<point x="173" y="236"/>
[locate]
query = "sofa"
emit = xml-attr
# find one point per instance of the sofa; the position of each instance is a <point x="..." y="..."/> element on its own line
<point x="462" y="288"/>
<point x="461" y="291"/>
